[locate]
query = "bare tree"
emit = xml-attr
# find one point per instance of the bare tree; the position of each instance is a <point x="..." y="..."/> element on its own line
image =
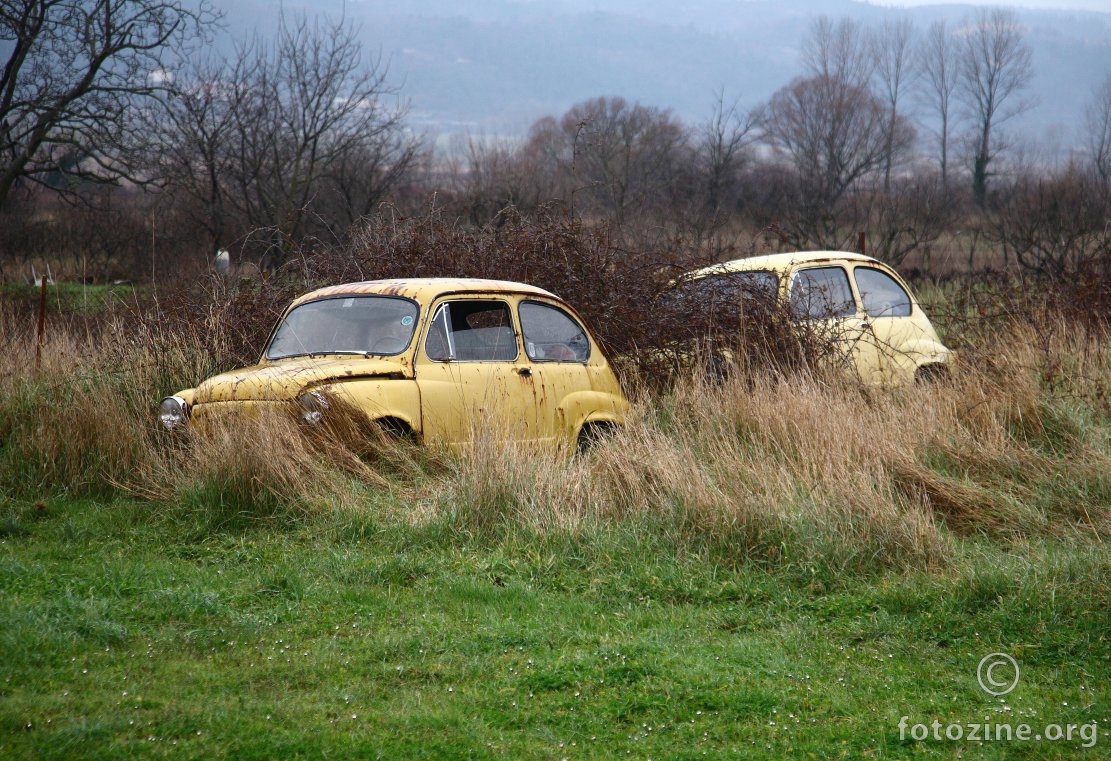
<point x="1055" y="225"/>
<point x="1098" y="122"/>
<point x="489" y="175"/>
<point x="313" y="121"/>
<point x="993" y="68"/>
<point x="834" y="134"/>
<point x="191" y="139"/>
<point x="892" y="49"/>
<point x="911" y="212"/>
<point x="721" y="150"/>
<point x="627" y="154"/>
<point x="76" y="73"/>
<point x="548" y="157"/>
<point x="838" y="51"/>
<point x="937" y="54"/>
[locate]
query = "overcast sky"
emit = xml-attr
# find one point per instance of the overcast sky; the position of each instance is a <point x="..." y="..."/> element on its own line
<point x="1090" y="5"/>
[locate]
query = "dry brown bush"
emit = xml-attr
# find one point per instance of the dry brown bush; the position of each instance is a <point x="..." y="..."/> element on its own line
<point x="621" y="293"/>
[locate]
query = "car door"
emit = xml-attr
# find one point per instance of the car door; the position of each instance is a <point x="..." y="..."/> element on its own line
<point x="897" y="330"/>
<point x="563" y="376"/>
<point x="823" y="297"/>
<point x="474" y="381"/>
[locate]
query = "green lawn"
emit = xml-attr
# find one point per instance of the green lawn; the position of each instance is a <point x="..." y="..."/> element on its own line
<point x="123" y="634"/>
<point x="70" y="297"/>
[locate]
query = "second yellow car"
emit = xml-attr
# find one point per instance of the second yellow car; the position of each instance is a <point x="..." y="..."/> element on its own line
<point x="856" y="301"/>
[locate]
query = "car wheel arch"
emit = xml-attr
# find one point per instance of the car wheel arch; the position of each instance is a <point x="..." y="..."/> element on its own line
<point x="395" y="426"/>
<point x="931" y="372"/>
<point x="592" y="432"/>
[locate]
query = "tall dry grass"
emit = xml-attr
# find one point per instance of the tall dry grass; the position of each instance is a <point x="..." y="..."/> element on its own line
<point x="817" y="470"/>
<point x="808" y="470"/>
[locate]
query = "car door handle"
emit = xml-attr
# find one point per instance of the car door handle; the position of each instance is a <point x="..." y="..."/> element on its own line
<point x="865" y="324"/>
<point x="524" y="371"/>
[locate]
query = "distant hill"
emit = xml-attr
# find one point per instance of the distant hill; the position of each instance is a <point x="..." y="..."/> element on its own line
<point x="494" y="67"/>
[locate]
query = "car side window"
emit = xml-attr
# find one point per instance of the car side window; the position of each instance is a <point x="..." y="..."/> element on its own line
<point x="552" y="335"/>
<point x="881" y="294"/>
<point x="822" y="292"/>
<point x="472" y="331"/>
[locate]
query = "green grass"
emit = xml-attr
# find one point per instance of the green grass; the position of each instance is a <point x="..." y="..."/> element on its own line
<point x="71" y="297"/>
<point x="126" y="634"/>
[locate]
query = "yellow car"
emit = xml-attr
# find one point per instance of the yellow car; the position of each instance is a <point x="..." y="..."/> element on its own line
<point x="440" y="359"/>
<point x="856" y="301"/>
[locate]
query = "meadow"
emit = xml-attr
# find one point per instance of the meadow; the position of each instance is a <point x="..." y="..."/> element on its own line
<point x="779" y="566"/>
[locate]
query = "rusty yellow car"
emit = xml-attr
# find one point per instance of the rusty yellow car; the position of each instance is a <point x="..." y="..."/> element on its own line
<point x="442" y="360"/>
<point x="861" y="305"/>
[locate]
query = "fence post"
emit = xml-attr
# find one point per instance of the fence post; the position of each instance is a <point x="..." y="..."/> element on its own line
<point x="42" y="324"/>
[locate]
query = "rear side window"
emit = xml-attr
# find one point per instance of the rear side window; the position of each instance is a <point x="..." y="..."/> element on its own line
<point x="881" y="294"/>
<point x="472" y="331"/>
<point x="822" y="292"/>
<point x="728" y="291"/>
<point x="552" y="335"/>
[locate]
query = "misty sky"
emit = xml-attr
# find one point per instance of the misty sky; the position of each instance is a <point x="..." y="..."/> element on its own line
<point x="1089" y="5"/>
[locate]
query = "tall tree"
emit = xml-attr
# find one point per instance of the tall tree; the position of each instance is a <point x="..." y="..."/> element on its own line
<point x="627" y="154"/>
<point x="192" y="135"/>
<point x="1098" y="123"/>
<point x="74" y="76"/>
<point x="937" y="62"/>
<point x="313" y="102"/>
<point x="838" y="51"/>
<point x="892" y="49"/>
<point x="293" y="136"/>
<point x="722" y="147"/>
<point x="993" y="68"/>
<point x="833" y="134"/>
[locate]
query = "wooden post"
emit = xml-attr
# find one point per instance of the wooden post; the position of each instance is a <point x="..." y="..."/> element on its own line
<point x="860" y="242"/>
<point x="42" y="324"/>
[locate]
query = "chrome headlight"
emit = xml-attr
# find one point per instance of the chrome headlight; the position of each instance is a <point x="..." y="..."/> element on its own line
<point x="313" y="406"/>
<point x="173" y="412"/>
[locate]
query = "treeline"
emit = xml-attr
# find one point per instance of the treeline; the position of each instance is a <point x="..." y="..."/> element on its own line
<point x="130" y="149"/>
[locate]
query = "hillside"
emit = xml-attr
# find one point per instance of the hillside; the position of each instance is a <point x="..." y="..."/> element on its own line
<point x="497" y="66"/>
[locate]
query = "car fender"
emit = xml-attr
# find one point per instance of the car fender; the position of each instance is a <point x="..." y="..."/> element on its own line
<point x="919" y="353"/>
<point x="926" y="351"/>
<point x="379" y="398"/>
<point x="581" y="407"/>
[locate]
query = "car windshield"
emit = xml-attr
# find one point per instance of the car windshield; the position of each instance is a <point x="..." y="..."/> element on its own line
<point x="346" y="325"/>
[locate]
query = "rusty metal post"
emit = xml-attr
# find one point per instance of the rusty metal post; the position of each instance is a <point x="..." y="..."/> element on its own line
<point x="42" y="324"/>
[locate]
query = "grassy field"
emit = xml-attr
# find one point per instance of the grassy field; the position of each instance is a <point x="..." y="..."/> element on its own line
<point x="762" y="570"/>
<point x="69" y="297"/>
<point x="125" y="634"/>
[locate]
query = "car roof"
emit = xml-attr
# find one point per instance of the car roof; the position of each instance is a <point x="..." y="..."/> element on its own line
<point x="781" y="262"/>
<point x="423" y="289"/>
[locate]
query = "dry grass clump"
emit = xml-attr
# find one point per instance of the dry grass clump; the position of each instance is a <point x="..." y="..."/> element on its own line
<point x="85" y="424"/>
<point x="70" y="426"/>
<point x="773" y="472"/>
<point x="815" y="469"/>
<point x="238" y="472"/>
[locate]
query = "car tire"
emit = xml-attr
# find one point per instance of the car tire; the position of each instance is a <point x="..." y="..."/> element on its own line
<point x="593" y="434"/>
<point x="930" y="374"/>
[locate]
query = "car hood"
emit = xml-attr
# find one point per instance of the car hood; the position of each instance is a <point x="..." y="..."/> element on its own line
<point x="286" y="379"/>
